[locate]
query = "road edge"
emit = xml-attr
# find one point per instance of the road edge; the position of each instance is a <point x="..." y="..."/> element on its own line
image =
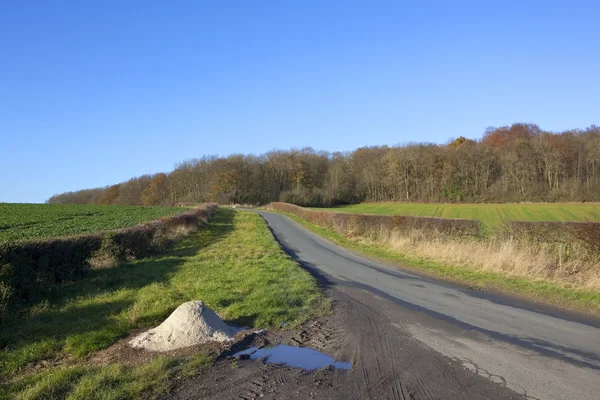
<point x="547" y="298"/>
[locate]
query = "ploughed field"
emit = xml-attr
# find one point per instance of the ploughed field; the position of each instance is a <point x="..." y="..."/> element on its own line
<point x="35" y="221"/>
<point x="492" y="215"/>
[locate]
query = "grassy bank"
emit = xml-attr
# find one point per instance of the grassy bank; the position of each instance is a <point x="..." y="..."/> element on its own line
<point x="233" y="264"/>
<point x="434" y="260"/>
<point x="491" y="215"/>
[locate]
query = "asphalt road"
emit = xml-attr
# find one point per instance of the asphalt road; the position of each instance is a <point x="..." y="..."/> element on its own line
<point x="534" y="351"/>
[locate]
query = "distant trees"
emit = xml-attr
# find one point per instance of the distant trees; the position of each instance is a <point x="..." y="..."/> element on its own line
<point x="86" y="196"/>
<point x="130" y="192"/>
<point x="109" y="195"/>
<point x="520" y="162"/>
<point x="157" y="191"/>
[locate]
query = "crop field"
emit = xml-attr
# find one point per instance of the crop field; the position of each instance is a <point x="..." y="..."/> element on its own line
<point x="34" y="221"/>
<point x="491" y="215"/>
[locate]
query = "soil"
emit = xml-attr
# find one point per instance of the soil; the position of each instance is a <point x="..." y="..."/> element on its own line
<point x="387" y="362"/>
<point x="123" y="353"/>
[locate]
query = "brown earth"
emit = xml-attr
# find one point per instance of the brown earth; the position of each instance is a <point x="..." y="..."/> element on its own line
<point x="387" y="363"/>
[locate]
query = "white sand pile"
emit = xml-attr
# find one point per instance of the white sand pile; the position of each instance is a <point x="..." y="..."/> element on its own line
<point x="190" y="324"/>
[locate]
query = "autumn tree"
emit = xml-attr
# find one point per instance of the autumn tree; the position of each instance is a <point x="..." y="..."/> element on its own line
<point x="109" y="195"/>
<point x="156" y="191"/>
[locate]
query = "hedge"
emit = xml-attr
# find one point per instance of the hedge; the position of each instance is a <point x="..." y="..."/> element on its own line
<point x="28" y="269"/>
<point x="586" y="234"/>
<point x="358" y="224"/>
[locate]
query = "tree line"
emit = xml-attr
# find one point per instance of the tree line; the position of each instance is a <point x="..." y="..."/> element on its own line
<point x="513" y="163"/>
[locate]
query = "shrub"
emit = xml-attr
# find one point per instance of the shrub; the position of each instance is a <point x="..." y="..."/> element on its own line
<point x="360" y="224"/>
<point x="563" y="236"/>
<point x="587" y="233"/>
<point x="28" y="269"/>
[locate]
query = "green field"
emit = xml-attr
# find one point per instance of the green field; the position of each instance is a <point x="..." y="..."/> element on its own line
<point x="491" y="215"/>
<point x="34" y="221"/>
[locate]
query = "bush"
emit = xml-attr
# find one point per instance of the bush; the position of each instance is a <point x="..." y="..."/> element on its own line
<point x="588" y="234"/>
<point x="562" y="235"/>
<point x="28" y="269"/>
<point x="360" y="224"/>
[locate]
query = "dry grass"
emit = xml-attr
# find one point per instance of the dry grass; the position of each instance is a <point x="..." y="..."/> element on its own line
<point x="509" y="257"/>
<point x="564" y="254"/>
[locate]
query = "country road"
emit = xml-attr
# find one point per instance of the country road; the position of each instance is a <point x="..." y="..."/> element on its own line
<point x="414" y="337"/>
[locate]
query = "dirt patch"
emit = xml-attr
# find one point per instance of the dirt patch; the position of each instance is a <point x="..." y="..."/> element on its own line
<point x="122" y="352"/>
<point x="191" y="329"/>
<point x="387" y="363"/>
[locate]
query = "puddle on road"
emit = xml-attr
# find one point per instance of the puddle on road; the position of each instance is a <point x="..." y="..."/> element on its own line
<point x="301" y="357"/>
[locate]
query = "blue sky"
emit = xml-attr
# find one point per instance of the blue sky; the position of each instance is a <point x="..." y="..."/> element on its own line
<point x="93" y="93"/>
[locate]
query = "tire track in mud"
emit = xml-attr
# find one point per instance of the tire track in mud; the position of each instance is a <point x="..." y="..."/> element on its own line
<point x="397" y="367"/>
<point x="386" y="364"/>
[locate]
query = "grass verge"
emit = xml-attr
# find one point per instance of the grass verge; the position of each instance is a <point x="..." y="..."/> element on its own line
<point x="574" y="299"/>
<point x="233" y="264"/>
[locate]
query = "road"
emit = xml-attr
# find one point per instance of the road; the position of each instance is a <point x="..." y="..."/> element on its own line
<point x="414" y="337"/>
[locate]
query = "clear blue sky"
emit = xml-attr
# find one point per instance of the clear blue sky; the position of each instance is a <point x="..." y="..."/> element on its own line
<point x="95" y="92"/>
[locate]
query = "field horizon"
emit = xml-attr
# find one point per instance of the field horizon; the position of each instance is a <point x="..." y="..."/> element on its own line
<point x="491" y="215"/>
<point x="26" y="221"/>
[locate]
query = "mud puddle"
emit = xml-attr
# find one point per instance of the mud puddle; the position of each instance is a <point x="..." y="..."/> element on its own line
<point x="290" y="356"/>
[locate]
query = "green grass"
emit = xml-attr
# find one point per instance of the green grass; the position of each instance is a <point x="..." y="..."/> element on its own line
<point x="234" y="265"/>
<point x="490" y="214"/>
<point x="83" y="382"/>
<point x="34" y="221"/>
<point x="578" y="300"/>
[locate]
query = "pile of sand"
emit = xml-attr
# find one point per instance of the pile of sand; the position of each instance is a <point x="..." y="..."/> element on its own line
<point x="190" y="324"/>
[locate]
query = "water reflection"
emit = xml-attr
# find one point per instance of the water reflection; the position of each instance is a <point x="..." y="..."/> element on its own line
<point x="301" y="357"/>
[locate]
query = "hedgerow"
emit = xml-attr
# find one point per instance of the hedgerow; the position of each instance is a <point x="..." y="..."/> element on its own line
<point x="359" y="224"/>
<point x="566" y="237"/>
<point x="30" y="268"/>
